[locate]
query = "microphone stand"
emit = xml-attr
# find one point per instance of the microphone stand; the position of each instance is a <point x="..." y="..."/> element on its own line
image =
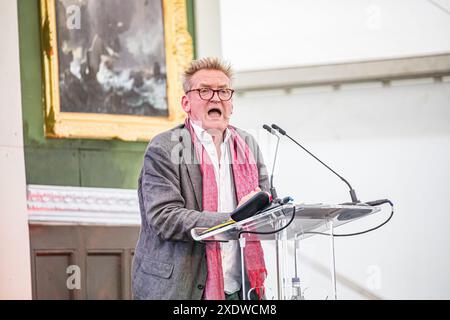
<point x="273" y="192"/>
<point x="352" y="191"/>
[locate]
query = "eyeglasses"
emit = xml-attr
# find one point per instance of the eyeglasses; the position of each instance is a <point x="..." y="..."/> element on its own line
<point x="208" y="93"/>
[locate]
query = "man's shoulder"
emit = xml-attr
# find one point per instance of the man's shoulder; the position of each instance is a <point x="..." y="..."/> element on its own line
<point x="169" y="137"/>
<point x="248" y="137"/>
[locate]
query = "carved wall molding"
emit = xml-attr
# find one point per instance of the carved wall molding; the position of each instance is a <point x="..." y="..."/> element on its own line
<point x="79" y="205"/>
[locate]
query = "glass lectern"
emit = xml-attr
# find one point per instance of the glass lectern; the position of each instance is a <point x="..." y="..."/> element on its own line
<point x="281" y="225"/>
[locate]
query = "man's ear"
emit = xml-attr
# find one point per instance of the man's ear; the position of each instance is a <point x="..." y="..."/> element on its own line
<point x="185" y="104"/>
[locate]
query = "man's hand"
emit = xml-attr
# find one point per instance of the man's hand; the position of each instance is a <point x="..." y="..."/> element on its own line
<point x="245" y="198"/>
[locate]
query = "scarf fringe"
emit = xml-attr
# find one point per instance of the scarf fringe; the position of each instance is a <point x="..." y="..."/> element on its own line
<point x="256" y="278"/>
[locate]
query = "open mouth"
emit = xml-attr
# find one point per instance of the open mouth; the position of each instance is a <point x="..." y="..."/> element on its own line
<point x="214" y="112"/>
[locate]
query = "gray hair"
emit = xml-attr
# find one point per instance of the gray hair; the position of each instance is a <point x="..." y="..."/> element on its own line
<point x="209" y="63"/>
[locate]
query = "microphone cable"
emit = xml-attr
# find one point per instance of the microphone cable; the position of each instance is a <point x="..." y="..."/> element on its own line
<point x="273" y="231"/>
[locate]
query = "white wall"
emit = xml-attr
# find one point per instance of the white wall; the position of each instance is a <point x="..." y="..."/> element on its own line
<point x="207" y="25"/>
<point x="15" y="273"/>
<point x="389" y="142"/>
<point x="274" y="33"/>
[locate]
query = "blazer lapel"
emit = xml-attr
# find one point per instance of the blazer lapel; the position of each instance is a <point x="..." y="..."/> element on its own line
<point x="192" y="164"/>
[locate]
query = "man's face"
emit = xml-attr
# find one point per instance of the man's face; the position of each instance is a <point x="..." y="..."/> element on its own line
<point x="212" y="114"/>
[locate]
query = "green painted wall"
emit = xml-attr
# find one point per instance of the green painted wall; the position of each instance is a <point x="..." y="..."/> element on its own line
<point x="191" y="23"/>
<point x="68" y="162"/>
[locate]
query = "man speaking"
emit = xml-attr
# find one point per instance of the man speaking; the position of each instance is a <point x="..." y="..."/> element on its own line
<point x="195" y="175"/>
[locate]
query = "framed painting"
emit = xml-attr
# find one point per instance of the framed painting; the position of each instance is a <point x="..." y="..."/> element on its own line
<point x="112" y="68"/>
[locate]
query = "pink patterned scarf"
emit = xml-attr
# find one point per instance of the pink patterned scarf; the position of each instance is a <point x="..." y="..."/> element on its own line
<point x="246" y="179"/>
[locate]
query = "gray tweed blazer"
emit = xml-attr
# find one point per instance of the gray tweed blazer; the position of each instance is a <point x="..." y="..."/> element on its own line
<point x="168" y="263"/>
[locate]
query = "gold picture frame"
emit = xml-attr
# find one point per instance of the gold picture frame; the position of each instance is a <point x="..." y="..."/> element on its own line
<point x="128" y="127"/>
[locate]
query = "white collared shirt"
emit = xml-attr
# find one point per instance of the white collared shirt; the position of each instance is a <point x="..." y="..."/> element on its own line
<point x="226" y="203"/>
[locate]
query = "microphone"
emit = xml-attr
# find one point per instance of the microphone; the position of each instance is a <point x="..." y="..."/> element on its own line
<point x="251" y="207"/>
<point x="273" y="192"/>
<point x="352" y="192"/>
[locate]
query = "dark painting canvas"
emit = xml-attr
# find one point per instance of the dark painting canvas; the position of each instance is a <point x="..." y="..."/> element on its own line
<point x="112" y="57"/>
